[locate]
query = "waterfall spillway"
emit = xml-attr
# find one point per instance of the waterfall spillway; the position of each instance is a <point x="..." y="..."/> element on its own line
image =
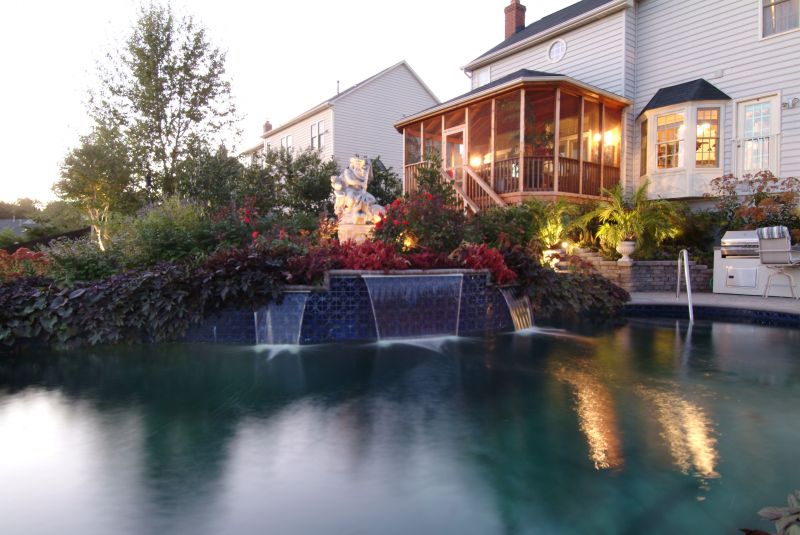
<point x="281" y="323"/>
<point x="520" y="307"/>
<point x="408" y="306"/>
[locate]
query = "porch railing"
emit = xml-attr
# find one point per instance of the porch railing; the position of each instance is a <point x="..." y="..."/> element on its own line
<point x="478" y="190"/>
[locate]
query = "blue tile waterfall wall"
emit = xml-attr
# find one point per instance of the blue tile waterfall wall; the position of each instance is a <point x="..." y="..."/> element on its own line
<point x="343" y="311"/>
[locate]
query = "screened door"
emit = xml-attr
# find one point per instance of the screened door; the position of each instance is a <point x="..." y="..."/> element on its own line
<point x="454" y="154"/>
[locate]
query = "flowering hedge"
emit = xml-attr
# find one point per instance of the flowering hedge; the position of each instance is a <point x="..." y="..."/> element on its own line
<point x="21" y="263"/>
<point x="421" y="221"/>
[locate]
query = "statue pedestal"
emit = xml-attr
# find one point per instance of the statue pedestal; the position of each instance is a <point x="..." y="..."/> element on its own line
<point x="353" y="232"/>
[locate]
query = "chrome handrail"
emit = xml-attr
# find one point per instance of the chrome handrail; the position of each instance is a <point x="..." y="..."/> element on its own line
<point x="683" y="258"/>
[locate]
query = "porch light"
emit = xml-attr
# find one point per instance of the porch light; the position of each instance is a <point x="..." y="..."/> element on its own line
<point x="611" y="137"/>
<point x="475" y="161"/>
<point x="598" y="137"/>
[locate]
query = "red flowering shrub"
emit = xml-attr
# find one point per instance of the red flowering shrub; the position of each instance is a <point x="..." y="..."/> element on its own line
<point x="310" y="267"/>
<point x="421" y="221"/>
<point x="21" y="263"/>
<point x="484" y="257"/>
<point x="427" y="259"/>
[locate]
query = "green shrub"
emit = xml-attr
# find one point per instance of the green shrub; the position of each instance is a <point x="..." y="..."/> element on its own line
<point x="79" y="260"/>
<point x="421" y="221"/>
<point x="504" y="227"/>
<point x="170" y="231"/>
<point x="566" y="296"/>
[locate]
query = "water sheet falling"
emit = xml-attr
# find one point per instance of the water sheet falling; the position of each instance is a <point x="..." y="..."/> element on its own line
<point x="413" y="306"/>
<point x="520" y="308"/>
<point x="280" y="324"/>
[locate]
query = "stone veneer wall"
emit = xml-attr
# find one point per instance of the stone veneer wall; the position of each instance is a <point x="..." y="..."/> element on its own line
<point x="650" y="276"/>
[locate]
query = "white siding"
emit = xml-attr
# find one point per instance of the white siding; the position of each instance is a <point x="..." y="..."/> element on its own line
<point x="629" y="79"/>
<point x="364" y="118"/>
<point x="595" y="55"/>
<point x="301" y="134"/>
<point x="719" y="40"/>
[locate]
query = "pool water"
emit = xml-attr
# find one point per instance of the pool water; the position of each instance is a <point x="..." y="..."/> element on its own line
<point x="642" y="428"/>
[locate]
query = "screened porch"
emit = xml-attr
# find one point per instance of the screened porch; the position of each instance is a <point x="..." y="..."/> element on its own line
<point x="534" y="139"/>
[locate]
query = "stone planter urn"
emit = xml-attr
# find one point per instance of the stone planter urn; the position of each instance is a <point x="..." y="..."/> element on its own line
<point x="626" y="249"/>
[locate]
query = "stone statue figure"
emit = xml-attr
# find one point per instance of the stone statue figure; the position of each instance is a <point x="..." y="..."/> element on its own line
<point x="354" y="206"/>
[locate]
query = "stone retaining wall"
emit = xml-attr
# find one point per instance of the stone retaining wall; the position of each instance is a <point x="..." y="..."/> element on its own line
<point x="649" y="276"/>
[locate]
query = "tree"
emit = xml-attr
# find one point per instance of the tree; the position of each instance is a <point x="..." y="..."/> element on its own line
<point x="97" y="177"/>
<point x="165" y="91"/>
<point x="303" y="180"/>
<point x="56" y="218"/>
<point x="385" y="185"/>
<point x="21" y="209"/>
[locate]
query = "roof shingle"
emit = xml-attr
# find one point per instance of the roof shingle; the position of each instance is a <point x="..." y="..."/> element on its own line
<point x="698" y="89"/>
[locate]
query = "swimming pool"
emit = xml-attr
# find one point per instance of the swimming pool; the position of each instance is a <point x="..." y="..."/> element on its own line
<point x="646" y="427"/>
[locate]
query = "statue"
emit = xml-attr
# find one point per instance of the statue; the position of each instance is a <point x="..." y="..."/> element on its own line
<point x="355" y="209"/>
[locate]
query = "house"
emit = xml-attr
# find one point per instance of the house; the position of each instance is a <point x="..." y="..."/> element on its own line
<point x="358" y="120"/>
<point x="16" y="226"/>
<point x="621" y="91"/>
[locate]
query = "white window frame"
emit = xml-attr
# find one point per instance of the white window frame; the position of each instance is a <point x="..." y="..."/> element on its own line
<point x="689" y="112"/>
<point x="318" y="135"/>
<point x="761" y="35"/>
<point x="287" y="142"/>
<point x="681" y="140"/>
<point x="550" y="49"/>
<point x="775" y="142"/>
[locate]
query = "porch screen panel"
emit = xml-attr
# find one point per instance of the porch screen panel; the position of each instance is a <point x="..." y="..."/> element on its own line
<point x="413" y="144"/>
<point x="433" y="137"/>
<point x="480" y="131"/>
<point x="612" y="146"/>
<point x="540" y="128"/>
<point x="454" y="118"/>
<point x="569" y="144"/>
<point x="591" y="139"/>
<point x="506" y="142"/>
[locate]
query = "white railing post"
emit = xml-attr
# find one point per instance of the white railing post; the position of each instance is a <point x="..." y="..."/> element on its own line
<point x="683" y="258"/>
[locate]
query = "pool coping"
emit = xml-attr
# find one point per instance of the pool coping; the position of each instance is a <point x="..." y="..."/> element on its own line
<point x="779" y="311"/>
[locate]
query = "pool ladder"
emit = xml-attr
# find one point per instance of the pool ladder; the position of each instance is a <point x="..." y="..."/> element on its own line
<point x="683" y="258"/>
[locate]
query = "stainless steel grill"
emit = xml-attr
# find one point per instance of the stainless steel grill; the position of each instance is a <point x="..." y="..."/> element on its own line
<point x="739" y="243"/>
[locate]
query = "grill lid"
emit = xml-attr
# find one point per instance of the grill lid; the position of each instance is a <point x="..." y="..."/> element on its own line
<point x="740" y="238"/>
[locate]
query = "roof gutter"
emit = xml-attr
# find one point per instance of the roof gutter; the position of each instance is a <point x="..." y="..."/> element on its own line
<point x="313" y="111"/>
<point x="598" y="13"/>
<point x="502" y="87"/>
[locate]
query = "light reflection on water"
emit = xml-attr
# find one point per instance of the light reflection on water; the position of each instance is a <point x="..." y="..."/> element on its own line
<point x="604" y="433"/>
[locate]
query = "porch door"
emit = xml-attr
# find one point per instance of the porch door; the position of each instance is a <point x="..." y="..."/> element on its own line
<point x="455" y="153"/>
<point x="756" y="128"/>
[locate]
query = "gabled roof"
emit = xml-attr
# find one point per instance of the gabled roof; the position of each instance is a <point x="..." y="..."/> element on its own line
<point x="510" y="80"/>
<point x="332" y="100"/>
<point x="547" y="24"/>
<point x="698" y="89"/>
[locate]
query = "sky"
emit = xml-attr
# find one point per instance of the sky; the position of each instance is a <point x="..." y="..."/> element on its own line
<point x="283" y="57"/>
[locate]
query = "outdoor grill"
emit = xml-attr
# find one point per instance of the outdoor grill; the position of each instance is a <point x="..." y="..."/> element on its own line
<point x="739" y="243"/>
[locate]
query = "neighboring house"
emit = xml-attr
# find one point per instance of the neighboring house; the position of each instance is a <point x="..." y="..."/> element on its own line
<point x="17" y="226"/>
<point x="358" y="120"/>
<point x="671" y="92"/>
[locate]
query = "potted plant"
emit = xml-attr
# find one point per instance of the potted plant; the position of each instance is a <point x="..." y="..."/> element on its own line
<point x="625" y="220"/>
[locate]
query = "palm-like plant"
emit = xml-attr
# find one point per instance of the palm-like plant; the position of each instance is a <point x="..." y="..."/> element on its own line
<point x="623" y="218"/>
<point x="554" y="220"/>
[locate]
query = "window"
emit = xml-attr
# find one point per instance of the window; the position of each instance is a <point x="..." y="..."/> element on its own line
<point x="286" y="142"/>
<point x="557" y="51"/>
<point x="484" y="76"/>
<point x="707" y="152"/>
<point x="778" y="16"/>
<point x="643" y="150"/>
<point x="669" y="141"/>
<point x="757" y="127"/>
<point x="318" y="135"/>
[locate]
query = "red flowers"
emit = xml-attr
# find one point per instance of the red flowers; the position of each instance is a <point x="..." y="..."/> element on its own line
<point x="254" y="234"/>
<point x="246" y="220"/>
<point x="396" y="222"/>
<point x="429" y="196"/>
<point x="405" y="222"/>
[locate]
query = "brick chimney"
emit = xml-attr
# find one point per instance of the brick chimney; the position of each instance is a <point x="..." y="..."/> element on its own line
<point x="267" y="126"/>
<point x="515" y="18"/>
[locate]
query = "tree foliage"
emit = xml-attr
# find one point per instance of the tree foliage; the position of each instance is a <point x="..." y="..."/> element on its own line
<point x="166" y="93"/>
<point x="385" y="185"/>
<point x="97" y="177"/>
